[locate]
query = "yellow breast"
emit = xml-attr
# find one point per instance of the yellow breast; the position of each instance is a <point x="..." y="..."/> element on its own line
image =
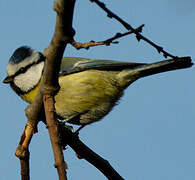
<point x="87" y="90"/>
<point x="30" y="96"/>
<point x="83" y="91"/>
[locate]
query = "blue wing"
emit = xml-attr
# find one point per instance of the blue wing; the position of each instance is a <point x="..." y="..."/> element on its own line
<point x="74" y="64"/>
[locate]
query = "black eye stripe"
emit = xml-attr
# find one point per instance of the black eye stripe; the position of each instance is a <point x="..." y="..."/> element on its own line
<point x="24" y="69"/>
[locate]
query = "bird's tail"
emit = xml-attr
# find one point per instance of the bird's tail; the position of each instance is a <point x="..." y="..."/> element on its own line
<point x="127" y="76"/>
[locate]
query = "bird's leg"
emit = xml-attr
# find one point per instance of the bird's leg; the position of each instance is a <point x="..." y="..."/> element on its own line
<point x="81" y="127"/>
<point x="68" y="127"/>
<point x="74" y="118"/>
<point x="70" y="118"/>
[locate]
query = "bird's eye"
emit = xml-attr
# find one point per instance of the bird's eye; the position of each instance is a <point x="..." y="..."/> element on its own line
<point x="22" y="70"/>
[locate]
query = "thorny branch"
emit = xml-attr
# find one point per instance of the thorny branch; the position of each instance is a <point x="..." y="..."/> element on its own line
<point x="139" y="36"/>
<point x="106" y="42"/>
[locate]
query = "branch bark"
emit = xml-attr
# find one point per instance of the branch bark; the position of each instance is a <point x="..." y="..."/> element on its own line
<point x="23" y="153"/>
<point x="49" y="86"/>
<point x="54" y="53"/>
<point x="52" y="126"/>
<point x="25" y="169"/>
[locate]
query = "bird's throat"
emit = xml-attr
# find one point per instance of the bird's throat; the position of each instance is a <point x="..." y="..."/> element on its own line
<point x="30" y="96"/>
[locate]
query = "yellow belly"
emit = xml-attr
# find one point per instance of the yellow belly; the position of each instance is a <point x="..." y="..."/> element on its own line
<point x="83" y="91"/>
<point x="30" y="96"/>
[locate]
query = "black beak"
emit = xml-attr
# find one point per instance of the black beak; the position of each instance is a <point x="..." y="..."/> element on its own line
<point x="8" y="79"/>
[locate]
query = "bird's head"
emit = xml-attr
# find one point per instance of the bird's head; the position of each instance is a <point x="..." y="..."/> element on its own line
<point x="24" y="68"/>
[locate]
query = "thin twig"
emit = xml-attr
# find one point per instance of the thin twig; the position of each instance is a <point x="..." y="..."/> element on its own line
<point x="25" y="170"/>
<point x="24" y="156"/>
<point x="79" y="45"/>
<point x="106" y="42"/>
<point x="22" y="151"/>
<point x="119" y="35"/>
<point x="139" y="36"/>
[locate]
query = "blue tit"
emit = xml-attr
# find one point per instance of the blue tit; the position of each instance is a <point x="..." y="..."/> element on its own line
<point x="89" y="88"/>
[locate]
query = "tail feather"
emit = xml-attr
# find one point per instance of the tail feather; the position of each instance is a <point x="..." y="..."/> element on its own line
<point x="126" y="77"/>
<point x="163" y="66"/>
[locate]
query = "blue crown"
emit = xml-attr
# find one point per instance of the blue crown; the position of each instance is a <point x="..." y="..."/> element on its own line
<point x="20" y="54"/>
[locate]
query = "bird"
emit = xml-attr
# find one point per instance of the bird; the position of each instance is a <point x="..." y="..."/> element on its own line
<point x="89" y="88"/>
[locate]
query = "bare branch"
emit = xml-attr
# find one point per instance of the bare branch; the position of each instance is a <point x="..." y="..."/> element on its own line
<point x="54" y="53"/>
<point x="139" y="36"/>
<point x="106" y="42"/>
<point x="86" y="153"/>
<point x="25" y="170"/>
<point x="22" y="151"/>
<point x="52" y="126"/>
<point x="79" y="45"/>
<point x="119" y="35"/>
<point x="49" y="85"/>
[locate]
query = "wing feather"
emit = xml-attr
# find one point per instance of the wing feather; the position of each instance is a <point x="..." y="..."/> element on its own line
<point x="74" y="64"/>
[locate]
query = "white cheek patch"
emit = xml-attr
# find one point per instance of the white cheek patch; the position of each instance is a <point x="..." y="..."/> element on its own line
<point x="13" y="68"/>
<point x="30" y="78"/>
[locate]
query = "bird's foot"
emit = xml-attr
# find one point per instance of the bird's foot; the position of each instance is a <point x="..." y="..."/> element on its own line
<point x="68" y="127"/>
<point x="78" y="130"/>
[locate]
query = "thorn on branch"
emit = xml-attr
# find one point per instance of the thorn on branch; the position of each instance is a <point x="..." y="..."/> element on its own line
<point x="159" y="49"/>
<point x="109" y="15"/>
<point x="138" y="37"/>
<point x="140" y="28"/>
<point x="164" y="55"/>
<point x="115" y="42"/>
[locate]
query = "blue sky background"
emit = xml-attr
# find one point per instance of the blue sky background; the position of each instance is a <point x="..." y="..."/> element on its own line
<point x="150" y="134"/>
